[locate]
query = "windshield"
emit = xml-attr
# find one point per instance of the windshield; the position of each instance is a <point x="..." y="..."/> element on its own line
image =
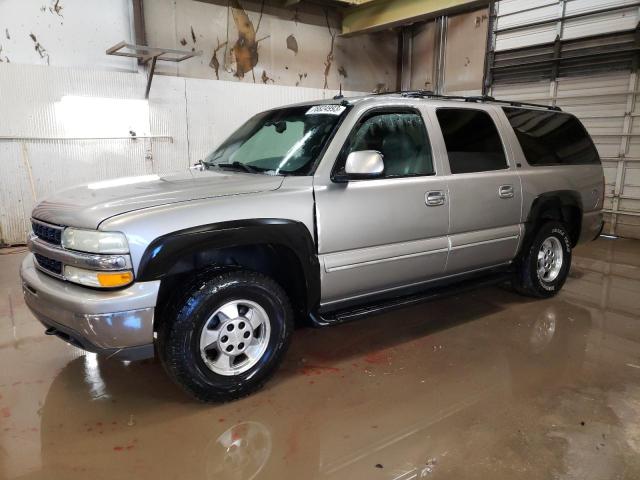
<point x="278" y="142"/>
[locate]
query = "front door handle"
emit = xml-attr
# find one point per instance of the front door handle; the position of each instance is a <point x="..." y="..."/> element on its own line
<point x="434" y="198"/>
<point x="505" y="191"/>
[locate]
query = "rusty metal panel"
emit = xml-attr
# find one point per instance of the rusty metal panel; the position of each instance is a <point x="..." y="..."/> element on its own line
<point x="69" y="33"/>
<point x="254" y="42"/>
<point x="423" y="44"/>
<point x="465" y="52"/>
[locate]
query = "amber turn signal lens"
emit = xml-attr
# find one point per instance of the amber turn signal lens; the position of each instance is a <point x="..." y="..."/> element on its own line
<point x="115" y="279"/>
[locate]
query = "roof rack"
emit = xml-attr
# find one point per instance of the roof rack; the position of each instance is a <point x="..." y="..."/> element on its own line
<point x="474" y="99"/>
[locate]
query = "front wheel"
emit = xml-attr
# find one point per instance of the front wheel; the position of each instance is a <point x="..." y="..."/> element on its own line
<point x="545" y="264"/>
<point x="227" y="335"/>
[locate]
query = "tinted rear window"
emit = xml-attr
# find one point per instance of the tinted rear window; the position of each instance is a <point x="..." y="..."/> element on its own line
<point x="551" y="138"/>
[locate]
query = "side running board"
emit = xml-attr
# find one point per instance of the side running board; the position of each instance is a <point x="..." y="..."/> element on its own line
<point x="324" y="318"/>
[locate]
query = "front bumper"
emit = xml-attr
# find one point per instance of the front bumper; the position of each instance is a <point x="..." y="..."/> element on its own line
<point x="113" y="322"/>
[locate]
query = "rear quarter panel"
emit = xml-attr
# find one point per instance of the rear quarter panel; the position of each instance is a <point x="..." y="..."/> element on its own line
<point x="586" y="180"/>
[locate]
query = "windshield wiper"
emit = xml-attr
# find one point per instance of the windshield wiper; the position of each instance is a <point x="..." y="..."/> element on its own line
<point x="238" y="166"/>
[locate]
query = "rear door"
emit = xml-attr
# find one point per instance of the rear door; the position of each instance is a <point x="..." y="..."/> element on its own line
<point x="485" y="191"/>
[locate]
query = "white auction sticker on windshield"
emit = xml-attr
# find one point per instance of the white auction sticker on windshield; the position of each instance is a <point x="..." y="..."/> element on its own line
<point x="326" y="110"/>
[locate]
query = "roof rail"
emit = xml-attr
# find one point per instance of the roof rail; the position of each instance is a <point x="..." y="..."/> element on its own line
<point x="474" y="99"/>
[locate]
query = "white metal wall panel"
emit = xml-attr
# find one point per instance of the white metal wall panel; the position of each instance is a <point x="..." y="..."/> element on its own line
<point x="615" y="21"/>
<point x="518" y="7"/>
<point x="16" y="197"/>
<point x="168" y="114"/>
<point x="520" y="13"/>
<point x="54" y="119"/>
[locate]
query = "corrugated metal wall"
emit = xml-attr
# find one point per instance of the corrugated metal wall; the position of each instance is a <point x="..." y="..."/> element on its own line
<point x="62" y="127"/>
<point x="548" y="51"/>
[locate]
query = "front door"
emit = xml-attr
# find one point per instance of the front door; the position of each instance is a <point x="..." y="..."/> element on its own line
<point x="379" y="234"/>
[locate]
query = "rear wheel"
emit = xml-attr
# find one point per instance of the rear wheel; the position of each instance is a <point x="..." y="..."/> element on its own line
<point x="545" y="264"/>
<point x="227" y="335"/>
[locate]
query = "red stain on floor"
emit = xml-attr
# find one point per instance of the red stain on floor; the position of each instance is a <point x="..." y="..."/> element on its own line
<point x="119" y="448"/>
<point x="378" y="357"/>
<point x="221" y="420"/>
<point x="309" y="370"/>
<point x="292" y="444"/>
<point x="6" y="412"/>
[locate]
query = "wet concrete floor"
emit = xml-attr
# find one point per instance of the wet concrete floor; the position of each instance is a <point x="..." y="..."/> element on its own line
<point x="486" y="385"/>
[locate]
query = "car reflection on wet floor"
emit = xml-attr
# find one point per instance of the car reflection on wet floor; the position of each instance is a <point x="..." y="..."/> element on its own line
<point x="484" y="385"/>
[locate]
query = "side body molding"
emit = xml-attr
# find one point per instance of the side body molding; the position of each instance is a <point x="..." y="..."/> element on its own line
<point x="183" y="250"/>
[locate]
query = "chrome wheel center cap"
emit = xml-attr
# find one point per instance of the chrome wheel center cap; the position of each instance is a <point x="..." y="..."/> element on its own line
<point x="235" y="336"/>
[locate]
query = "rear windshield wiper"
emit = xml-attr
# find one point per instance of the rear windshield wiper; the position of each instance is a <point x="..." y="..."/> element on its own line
<point x="238" y="166"/>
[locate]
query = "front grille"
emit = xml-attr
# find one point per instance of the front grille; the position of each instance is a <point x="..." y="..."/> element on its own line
<point x="53" y="266"/>
<point x="48" y="233"/>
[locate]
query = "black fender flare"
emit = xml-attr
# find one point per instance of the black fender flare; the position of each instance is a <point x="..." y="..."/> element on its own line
<point x="164" y="254"/>
<point x="556" y="200"/>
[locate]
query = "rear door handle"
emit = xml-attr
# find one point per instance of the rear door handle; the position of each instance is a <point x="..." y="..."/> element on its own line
<point x="434" y="198"/>
<point x="505" y="191"/>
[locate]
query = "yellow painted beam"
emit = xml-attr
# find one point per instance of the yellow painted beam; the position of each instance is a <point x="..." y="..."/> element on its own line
<point x="382" y="14"/>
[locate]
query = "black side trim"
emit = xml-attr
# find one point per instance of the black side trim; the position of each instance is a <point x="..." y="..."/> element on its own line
<point x="554" y="200"/>
<point x="179" y="251"/>
<point x="558" y="197"/>
<point x="380" y="304"/>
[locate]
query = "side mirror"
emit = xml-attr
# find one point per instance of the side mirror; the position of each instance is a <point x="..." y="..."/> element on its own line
<point x="361" y="165"/>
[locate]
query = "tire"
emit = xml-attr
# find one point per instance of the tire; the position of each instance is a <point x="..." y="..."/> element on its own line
<point x="528" y="280"/>
<point x="204" y="315"/>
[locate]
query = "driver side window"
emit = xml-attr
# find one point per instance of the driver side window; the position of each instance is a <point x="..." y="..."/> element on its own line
<point x="401" y="137"/>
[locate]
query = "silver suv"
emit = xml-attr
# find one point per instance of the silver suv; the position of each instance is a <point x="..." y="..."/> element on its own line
<point x="324" y="212"/>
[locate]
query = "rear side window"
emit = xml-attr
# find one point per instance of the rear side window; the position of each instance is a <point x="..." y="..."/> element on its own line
<point x="551" y="138"/>
<point x="472" y="140"/>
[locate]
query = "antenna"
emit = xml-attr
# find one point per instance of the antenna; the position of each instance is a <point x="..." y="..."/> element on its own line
<point x="339" y="96"/>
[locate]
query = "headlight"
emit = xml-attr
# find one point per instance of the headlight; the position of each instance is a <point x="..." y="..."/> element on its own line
<point x="94" y="241"/>
<point x="92" y="278"/>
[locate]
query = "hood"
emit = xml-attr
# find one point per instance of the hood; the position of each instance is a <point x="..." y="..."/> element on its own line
<point x="88" y="205"/>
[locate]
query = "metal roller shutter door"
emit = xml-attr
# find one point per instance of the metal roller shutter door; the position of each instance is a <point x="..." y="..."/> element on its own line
<point x="594" y="77"/>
